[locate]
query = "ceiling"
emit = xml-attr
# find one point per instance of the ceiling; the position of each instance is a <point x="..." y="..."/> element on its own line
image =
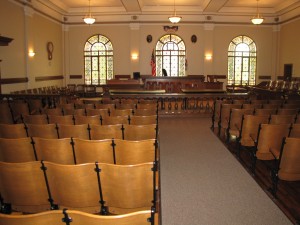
<point x="188" y="9"/>
<point x="208" y="6"/>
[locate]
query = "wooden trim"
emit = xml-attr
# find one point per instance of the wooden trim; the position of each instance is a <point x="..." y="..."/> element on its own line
<point x="45" y="78"/>
<point x="264" y="77"/>
<point x="13" y="80"/>
<point x="75" y="76"/>
<point x="122" y="76"/>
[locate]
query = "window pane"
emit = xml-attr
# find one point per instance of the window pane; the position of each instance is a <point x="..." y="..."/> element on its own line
<point x="98" y="53"/>
<point x="170" y="55"/>
<point x="242" y="61"/>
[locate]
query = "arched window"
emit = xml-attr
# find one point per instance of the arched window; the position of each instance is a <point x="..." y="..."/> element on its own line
<point x="242" y="61"/>
<point x="98" y="60"/>
<point x="170" y="55"/>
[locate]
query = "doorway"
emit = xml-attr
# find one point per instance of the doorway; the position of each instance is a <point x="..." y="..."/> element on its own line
<point x="287" y="72"/>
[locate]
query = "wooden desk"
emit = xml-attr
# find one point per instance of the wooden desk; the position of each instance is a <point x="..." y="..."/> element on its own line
<point x="123" y="84"/>
<point x="197" y="90"/>
<point x="175" y="84"/>
<point x="136" y="91"/>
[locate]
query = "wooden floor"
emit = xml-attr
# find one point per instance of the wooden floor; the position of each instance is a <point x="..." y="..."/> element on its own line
<point x="288" y="194"/>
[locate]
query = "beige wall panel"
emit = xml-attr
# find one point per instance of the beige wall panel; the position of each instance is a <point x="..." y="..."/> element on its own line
<point x="119" y="35"/>
<point x="30" y="32"/>
<point x="263" y="38"/>
<point x="290" y="47"/>
<point x="12" y="26"/>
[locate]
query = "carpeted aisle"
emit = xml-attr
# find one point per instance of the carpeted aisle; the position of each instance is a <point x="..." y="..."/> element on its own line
<point x="202" y="183"/>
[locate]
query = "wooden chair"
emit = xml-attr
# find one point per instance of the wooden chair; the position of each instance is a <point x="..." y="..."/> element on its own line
<point x="282" y="119"/>
<point x="291" y="106"/>
<point x="84" y="106"/>
<point x="36" y="105"/>
<point x="54" y="150"/>
<point x="53" y="111"/>
<point x="110" y="106"/>
<point x="269" y="137"/>
<point x="249" y="131"/>
<point x="100" y="132"/>
<point x="35" y="119"/>
<point x="6" y="116"/>
<point x="42" y="130"/>
<point x="140" y="132"/>
<point x="95" y="112"/>
<point x="293" y="102"/>
<point x="23" y="186"/>
<point x="143" y="120"/>
<point x="80" y="112"/>
<point x="121" y="112"/>
<point x="235" y="122"/>
<point x="92" y="101"/>
<point x="87" y="119"/>
<point x="251" y="106"/>
<point x="297" y="119"/>
<point x="295" y="132"/>
<point x="216" y="112"/>
<point x="66" y="106"/>
<point x="42" y="218"/>
<point x="128" y="188"/>
<point x="145" y="112"/>
<point x="17" y="150"/>
<point x="75" y="131"/>
<point x="282" y="111"/>
<point x="121" y="106"/>
<point x="13" y="130"/>
<point x="271" y="106"/>
<point x="263" y="111"/>
<point x="224" y="116"/>
<point x="278" y="102"/>
<point x="135" y="152"/>
<point x="135" y="218"/>
<point x="287" y="162"/>
<point x="152" y="106"/>
<point x="62" y="217"/>
<point x="19" y="109"/>
<point x="112" y="120"/>
<point x="240" y="101"/>
<point x="90" y="151"/>
<point x="66" y="120"/>
<point x="74" y="186"/>
<point x="258" y="101"/>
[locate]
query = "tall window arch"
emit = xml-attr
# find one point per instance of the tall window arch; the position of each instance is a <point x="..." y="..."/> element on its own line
<point x="170" y="54"/>
<point x="242" y="61"/>
<point x="98" y="60"/>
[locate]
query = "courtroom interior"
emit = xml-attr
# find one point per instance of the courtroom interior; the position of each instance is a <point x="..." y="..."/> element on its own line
<point x="144" y="111"/>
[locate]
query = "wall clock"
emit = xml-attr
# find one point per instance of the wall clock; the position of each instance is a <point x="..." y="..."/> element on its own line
<point x="50" y="49"/>
<point x="149" y="38"/>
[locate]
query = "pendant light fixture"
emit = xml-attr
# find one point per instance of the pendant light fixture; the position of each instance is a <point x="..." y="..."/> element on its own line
<point x="89" y="19"/>
<point x="257" y="19"/>
<point x="174" y="18"/>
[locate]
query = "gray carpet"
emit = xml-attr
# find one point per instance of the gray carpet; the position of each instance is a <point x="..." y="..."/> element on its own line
<point x="202" y="183"/>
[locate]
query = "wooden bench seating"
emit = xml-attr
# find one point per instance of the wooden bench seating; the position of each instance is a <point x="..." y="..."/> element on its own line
<point x="92" y="187"/>
<point x="70" y="151"/>
<point x="66" y="217"/>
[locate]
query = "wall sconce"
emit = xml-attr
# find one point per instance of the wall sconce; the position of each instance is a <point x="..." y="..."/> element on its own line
<point x="31" y="53"/>
<point x="208" y="56"/>
<point x="134" y="56"/>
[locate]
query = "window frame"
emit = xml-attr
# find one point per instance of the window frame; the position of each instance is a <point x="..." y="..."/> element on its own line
<point x="98" y="60"/>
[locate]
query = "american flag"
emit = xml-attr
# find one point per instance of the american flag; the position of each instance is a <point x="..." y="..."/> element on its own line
<point x="153" y="64"/>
